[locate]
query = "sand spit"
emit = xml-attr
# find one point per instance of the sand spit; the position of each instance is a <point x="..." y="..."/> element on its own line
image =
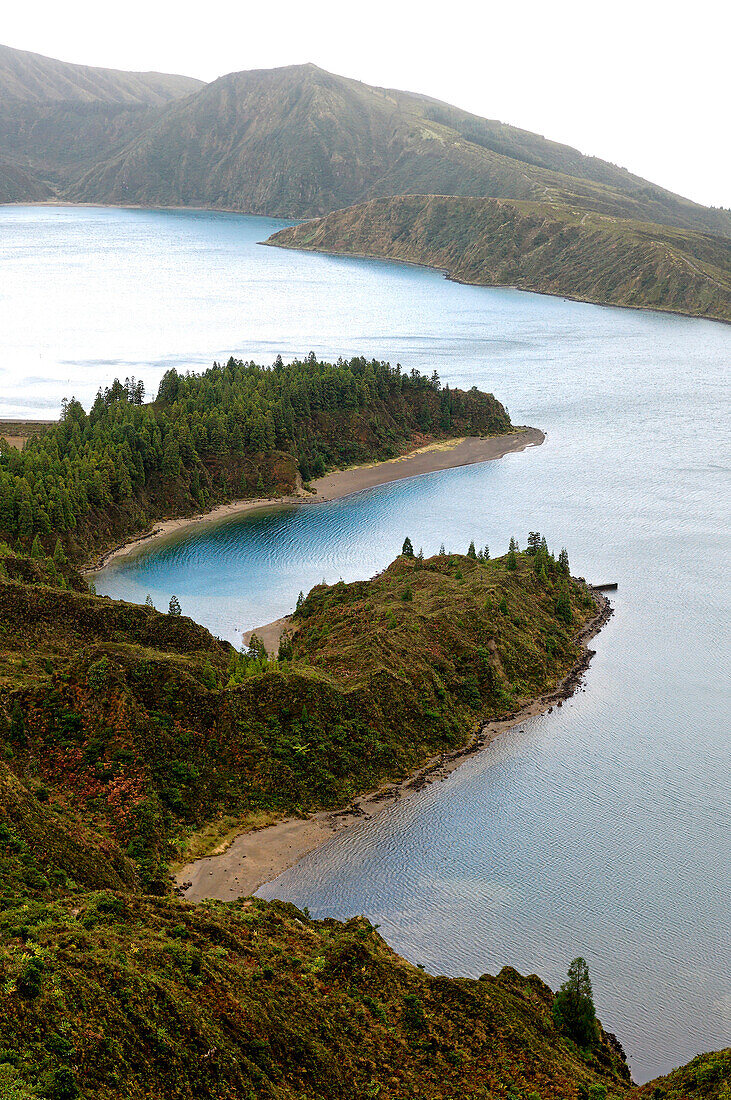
<point x="441" y="455"/>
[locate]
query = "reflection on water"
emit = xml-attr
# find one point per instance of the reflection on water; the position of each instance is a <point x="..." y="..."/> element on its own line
<point x="603" y="828"/>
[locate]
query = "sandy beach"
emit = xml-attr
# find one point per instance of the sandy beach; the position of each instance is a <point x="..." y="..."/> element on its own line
<point x="253" y="858"/>
<point x="440" y="455"/>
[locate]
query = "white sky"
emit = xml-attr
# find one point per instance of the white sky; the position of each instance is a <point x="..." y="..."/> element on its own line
<point x="644" y="84"/>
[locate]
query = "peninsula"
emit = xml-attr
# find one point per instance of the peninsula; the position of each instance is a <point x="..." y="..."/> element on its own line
<point x="538" y="246"/>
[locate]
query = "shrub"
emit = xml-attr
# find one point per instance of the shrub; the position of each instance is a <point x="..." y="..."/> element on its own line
<point x="413" y="1011"/>
<point x="30" y="980"/>
<point x="97" y="676"/>
<point x="563" y="608"/>
<point x="60" y="1084"/>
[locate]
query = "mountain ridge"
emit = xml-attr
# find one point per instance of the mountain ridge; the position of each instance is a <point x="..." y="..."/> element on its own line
<point x="299" y="141"/>
<point x="32" y="76"/>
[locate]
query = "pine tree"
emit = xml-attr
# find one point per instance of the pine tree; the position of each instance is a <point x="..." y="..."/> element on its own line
<point x="300" y="602"/>
<point x="486" y="553"/>
<point x="407" y="550"/>
<point x="59" y="554"/>
<point x="511" y="561"/>
<point x="573" y="1006"/>
<point x="174" y="608"/>
<point x="563" y="608"/>
<point x="513" y="543"/>
<point x="471" y="552"/>
<point x="148" y="600"/>
<point x="534" y="541"/>
<point x="563" y="561"/>
<point x="36" y="550"/>
<point x="442" y="551"/>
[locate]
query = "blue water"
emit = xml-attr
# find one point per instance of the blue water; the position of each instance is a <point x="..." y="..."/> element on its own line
<point x="601" y="829"/>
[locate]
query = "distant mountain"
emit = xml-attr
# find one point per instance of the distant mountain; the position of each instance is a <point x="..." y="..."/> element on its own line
<point x="30" y="77"/>
<point x="300" y="142"/>
<point x="534" y="246"/>
<point x="56" y="118"/>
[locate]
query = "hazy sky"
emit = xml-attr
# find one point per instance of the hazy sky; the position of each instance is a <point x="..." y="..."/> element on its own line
<point x="643" y="84"/>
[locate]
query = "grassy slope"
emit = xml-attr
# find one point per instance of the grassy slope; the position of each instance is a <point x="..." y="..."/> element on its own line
<point x="299" y="142"/>
<point x="147" y="999"/>
<point x="106" y="992"/>
<point x="128" y="717"/>
<point x="557" y="250"/>
<point x="707" y="1077"/>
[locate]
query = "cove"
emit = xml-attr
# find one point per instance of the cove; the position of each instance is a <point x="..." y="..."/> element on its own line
<point x="600" y="829"/>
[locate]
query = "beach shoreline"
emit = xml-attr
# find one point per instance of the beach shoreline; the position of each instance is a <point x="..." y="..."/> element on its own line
<point x="250" y="860"/>
<point x="431" y="458"/>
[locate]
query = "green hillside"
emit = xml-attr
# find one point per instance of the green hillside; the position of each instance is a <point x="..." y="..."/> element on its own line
<point x="123" y="729"/>
<point x="18" y="185"/>
<point x="30" y="77"/>
<point x="146" y="723"/>
<point x="554" y="249"/>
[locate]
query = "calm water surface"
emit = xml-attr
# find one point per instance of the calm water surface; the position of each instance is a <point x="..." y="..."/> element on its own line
<point x="601" y="829"/>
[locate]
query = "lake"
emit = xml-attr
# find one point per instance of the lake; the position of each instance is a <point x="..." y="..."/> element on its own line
<point x="601" y="829"/>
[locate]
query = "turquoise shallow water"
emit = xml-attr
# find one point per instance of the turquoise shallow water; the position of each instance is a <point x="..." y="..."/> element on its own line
<point x="601" y="829"/>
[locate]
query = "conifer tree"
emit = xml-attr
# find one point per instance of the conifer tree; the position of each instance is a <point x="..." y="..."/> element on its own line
<point x="59" y="554"/>
<point x="573" y="1006"/>
<point x="36" y="550"/>
<point x="407" y="550"/>
<point x="471" y="552"/>
<point x="174" y="608"/>
<point x="511" y="561"/>
<point x="563" y="607"/>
